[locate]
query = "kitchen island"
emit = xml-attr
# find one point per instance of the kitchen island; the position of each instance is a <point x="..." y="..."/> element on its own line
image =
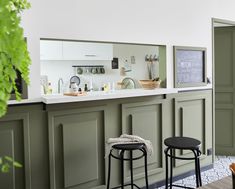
<point x="62" y="139"/>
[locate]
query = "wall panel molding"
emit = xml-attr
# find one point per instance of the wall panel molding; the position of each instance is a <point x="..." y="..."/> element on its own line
<point x="134" y="122"/>
<point x="76" y="148"/>
<point x="17" y="127"/>
<point x="191" y="112"/>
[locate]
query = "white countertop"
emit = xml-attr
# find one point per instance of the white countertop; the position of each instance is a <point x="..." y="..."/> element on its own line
<point x="101" y="95"/>
<point x="24" y="101"/>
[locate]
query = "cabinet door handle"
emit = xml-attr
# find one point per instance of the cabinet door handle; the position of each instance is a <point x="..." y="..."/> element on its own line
<point x="90" y="55"/>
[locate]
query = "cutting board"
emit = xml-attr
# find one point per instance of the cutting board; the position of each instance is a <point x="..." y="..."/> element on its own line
<point x="75" y="94"/>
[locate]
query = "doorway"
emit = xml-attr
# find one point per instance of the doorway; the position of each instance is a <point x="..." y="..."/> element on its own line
<point x="224" y="86"/>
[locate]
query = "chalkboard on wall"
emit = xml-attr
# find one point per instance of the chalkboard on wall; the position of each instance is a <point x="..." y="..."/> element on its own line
<point x="190" y="66"/>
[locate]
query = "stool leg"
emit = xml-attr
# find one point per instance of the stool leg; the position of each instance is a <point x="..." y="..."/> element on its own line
<point x="131" y="162"/>
<point x="146" y="169"/>
<point x="166" y="162"/>
<point x="109" y="171"/>
<point x="171" y="168"/>
<point x="196" y="168"/>
<point x="122" y="169"/>
<point x="199" y="168"/>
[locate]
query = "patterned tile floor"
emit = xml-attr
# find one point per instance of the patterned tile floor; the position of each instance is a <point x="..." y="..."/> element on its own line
<point x="219" y="171"/>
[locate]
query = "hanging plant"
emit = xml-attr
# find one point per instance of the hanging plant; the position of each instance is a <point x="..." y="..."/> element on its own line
<point x="14" y="56"/>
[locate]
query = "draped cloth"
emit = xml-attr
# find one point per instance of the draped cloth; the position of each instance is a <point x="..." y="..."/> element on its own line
<point x="128" y="139"/>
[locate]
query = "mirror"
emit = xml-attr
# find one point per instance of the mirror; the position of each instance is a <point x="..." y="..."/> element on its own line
<point x="99" y="63"/>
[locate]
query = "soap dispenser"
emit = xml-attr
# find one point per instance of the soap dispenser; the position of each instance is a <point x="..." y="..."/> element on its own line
<point x="86" y="88"/>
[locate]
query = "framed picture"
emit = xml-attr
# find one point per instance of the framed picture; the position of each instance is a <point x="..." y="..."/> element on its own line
<point x="189" y="66"/>
<point x="115" y="63"/>
<point x="21" y="86"/>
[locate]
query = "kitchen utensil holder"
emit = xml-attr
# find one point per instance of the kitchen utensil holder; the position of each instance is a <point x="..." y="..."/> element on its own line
<point x="99" y="69"/>
<point x="150" y="58"/>
<point x="88" y="66"/>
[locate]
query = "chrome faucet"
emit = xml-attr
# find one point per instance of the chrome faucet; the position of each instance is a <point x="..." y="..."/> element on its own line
<point x="60" y="85"/>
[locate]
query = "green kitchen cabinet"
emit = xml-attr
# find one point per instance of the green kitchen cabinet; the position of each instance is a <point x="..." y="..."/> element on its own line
<point x="145" y="119"/>
<point x="76" y="144"/>
<point x="23" y="136"/>
<point x="62" y="146"/>
<point x="193" y="118"/>
<point x="183" y="114"/>
<point x="14" y="137"/>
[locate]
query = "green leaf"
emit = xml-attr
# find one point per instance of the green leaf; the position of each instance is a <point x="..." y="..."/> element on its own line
<point x="16" y="164"/>
<point x="5" y="168"/>
<point x="13" y="49"/>
<point x="8" y="158"/>
<point x="11" y="160"/>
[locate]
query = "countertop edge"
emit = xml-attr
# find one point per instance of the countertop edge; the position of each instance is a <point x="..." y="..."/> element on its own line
<point x="109" y="96"/>
<point x="25" y="101"/>
<point x="106" y="96"/>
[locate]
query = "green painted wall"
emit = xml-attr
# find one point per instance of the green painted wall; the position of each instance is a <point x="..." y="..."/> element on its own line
<point x="63" y="145"/>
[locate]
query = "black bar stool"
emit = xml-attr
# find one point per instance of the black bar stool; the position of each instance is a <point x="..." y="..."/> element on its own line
<point x="182" y="143"/>
<point x="122" y="149"/>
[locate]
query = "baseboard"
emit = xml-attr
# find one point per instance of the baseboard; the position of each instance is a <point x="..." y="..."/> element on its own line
<point x="178" y="177"/>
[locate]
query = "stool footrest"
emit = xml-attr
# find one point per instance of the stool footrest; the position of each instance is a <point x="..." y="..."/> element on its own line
<point x="129" y="184"/>
<point x="179" y="186"/>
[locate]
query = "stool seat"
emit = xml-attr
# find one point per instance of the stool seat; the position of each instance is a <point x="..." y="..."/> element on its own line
<point x="129" y="146"/>
<point x="185" y="143"/>
<point x="182" y="143"/>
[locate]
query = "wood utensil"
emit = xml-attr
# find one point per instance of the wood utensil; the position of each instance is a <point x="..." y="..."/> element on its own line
<point x="75" y="94"/>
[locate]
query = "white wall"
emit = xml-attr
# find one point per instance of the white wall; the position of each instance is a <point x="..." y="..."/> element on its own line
<point x="167" y="22"/>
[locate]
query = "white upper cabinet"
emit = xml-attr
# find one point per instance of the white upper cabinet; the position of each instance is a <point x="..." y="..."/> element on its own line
<point x="87" y="51"/>
<point x="51" y="50"/>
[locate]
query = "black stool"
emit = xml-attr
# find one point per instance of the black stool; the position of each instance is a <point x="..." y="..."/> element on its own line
<point x="182" y="143"/>
<point x="128" y="147"/>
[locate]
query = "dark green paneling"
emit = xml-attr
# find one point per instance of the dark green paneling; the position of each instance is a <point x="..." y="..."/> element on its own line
<point x="14" y="131"/>
<point x="224" y="90"/>
<point x="80" y="151"/>
<point x="63" y="145"/>
<point x="7" y="148"/>
<point x="76" y="139"/>
<point x="191" y="119"/>
<point x="145" y="120"/>
<point x="39" y="148"/>
<point x="26" y="127"/>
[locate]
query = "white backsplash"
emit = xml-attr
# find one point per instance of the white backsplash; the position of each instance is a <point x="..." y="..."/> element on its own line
<point x="63" y="69"/>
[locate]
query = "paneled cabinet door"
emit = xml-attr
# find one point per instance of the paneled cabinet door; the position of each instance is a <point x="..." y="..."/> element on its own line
<point x="87" y="51"/>
<point x="76" y="140"/>
<point x="14" y="142"/>
<point x="51" y="50"/>
<point x="193" y="118"/>
<point x="145" y="120"/>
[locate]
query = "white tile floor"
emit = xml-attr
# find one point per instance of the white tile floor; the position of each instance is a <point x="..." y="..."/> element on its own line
<point x="220" y="170"/>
